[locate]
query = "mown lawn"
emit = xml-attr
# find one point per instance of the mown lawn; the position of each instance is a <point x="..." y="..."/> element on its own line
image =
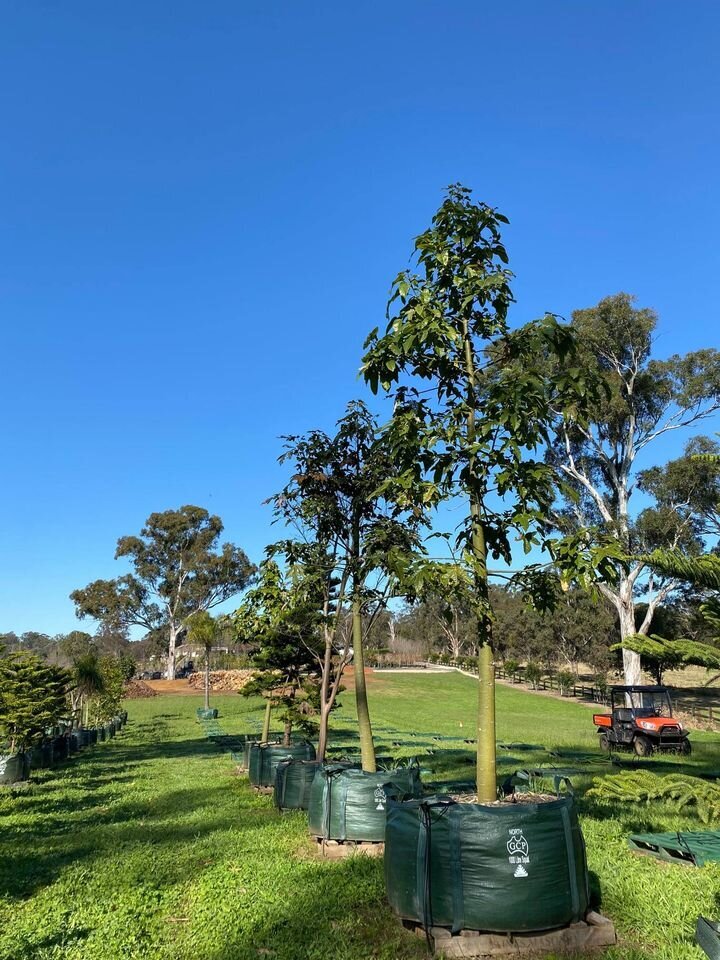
<point x="150" y="846"/>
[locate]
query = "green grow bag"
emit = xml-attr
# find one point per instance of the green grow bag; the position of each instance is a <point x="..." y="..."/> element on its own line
<point x="124" y="715"/>
<point x="61" y="748"/>
<point x="109" y="731"/>
<point x="707" y="936"/>
<point x="293" y="779"/>
<point x="14" y="768"/>
<point x="101" y="734"/>
<point x="348" y="804"/>
<point x="42" y="755"/>
<point x="514" y="867"/>
<point x="209" y="713"/>
<point x="265" y="757"/>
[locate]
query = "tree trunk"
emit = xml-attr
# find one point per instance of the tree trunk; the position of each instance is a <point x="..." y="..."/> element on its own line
<point x="323" y="733"/>
<point x="287" y="733"/>
<point x="367" y="746"/>
<point x="207" y="679"/>
<point x="170" y="672"/>
<point x="265" y="736"/>
<point x="486" y="747"/>
<point x="626" y="613"/>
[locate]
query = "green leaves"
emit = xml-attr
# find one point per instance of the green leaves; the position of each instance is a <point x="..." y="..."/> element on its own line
<point x="32" y="698"/>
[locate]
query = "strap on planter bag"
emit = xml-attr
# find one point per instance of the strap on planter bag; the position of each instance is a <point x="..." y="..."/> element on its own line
<point x="458" y="908"/>
<point x="572" y="867"/>
<point x="422" y="871"/>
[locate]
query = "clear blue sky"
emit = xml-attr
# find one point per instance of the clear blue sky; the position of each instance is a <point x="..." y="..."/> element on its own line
<point x="203" y="205"/>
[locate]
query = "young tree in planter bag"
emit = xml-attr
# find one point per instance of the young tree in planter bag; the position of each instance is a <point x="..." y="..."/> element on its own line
<point x="364" y="536"/>
<point x="277" y="617"/>
<point x="473" y="409"/>
<point x="202" y="631"/>
<point x="33" y="697"/>
<point x="178" y="570"/>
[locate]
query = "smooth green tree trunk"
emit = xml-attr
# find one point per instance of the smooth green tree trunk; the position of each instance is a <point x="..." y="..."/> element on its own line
<point x="367" y="746"/>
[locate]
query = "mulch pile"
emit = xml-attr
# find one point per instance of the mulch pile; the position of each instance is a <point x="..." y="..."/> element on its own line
<point x="138" y="690"/>
<point x="221" y="681"/>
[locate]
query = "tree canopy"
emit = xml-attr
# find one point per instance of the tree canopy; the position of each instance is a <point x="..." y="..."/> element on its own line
<point x="177" y="570"/>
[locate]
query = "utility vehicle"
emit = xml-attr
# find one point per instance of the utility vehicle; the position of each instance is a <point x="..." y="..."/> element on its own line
<point x="641" y="719"/>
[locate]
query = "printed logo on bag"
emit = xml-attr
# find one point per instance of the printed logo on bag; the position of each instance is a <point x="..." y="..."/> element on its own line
<point x="380" y="799"/>
<point x="519" y="851"/>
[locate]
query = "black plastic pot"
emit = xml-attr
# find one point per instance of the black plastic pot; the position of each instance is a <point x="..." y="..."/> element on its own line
<point x="265" y="757"/>
<point x="14" y="768"/>
<point x="512" y="867"/>
<point x="293" y="779"/>
<point x="348" y="804"/>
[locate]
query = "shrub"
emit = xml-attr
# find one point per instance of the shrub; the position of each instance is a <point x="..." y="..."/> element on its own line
<point x="565" y="679"/>
<point x="511" y="667"/>
<point x="533" y="674"/>
<point x="32" y="698"/>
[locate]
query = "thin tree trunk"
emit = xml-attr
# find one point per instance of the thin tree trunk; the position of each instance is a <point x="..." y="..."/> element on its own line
<point x="265" y="736"/>
<point x="170" y="672"/>
<point x="486" y="746"/>
<point x="323" y="733"/>
<point x="367" y="746"/>
<point x="207" y="678"/>
<point x="287" y="733"/>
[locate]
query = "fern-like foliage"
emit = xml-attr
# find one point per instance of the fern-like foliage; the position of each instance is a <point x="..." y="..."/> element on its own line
<point x="680" y="790"/>
<point x="671" y="653"/>
<point x="703" y="572"/>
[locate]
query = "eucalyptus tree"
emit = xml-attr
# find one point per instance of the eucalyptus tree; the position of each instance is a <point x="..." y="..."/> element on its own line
<point x="358" y="538"/>
<point x="645" y="399"/>
<point x="473" y="408"/>
<point x="178" y="570"/>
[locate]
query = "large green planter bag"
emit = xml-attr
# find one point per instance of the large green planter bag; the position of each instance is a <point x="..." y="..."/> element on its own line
<point x="101" y="734"/>
<point x="61" y="748"/>
<point x="265" y="757"/>
<point x="348" y="804"/>
<point x="293" y="779"/>
<point x="14" y="768"/>
<point x="511" y="867"/>
<point x="207" y="713"/>
<point x="109" y="731"/>
<point x="42" y="755"/>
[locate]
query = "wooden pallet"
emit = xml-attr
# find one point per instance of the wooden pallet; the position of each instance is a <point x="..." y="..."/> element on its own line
<point x="594" y="933"/>
<point x="338" y="849"/>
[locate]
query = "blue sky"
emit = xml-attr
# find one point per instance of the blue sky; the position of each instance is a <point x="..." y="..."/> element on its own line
<point x="203" y="206"/>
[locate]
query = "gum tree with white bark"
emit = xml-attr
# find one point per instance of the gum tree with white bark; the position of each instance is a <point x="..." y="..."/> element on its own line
<point x="645" y="400"/>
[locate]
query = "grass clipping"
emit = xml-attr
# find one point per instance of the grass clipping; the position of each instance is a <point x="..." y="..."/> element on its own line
<point x="679" y="789"/>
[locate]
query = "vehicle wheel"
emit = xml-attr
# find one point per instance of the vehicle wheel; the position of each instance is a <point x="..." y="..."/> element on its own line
<point x="642" y="746"/>
<point x="604" y="743"/>
<point x="686" y="748"/>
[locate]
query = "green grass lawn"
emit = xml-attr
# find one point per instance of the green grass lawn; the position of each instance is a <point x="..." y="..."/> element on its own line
<point x="150" y="846"/>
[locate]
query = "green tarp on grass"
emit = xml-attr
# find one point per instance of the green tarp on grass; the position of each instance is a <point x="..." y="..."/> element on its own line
<point x="694" y="847"/>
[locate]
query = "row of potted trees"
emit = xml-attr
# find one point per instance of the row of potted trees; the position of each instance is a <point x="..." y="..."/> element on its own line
<point x="473" y="403"/>
<point x="48" y="713"/>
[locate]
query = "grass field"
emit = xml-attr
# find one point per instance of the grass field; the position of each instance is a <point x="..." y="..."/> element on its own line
<point x="150" y="846"/>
